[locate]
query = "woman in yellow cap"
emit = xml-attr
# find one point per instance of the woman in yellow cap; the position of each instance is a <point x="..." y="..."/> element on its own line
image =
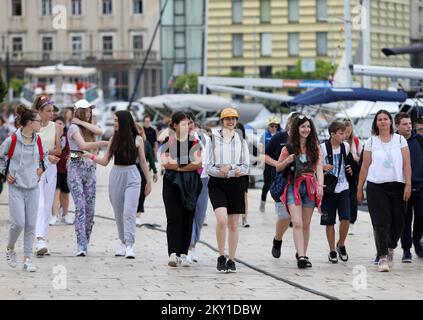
<point x="226" y="163"/>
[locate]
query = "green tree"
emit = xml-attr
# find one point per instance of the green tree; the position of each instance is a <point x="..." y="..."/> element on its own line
<point x="323" y="70"/>
<point x="17" y="84"/>
<point x="236" y="74"/>
<point x="3" y="89"/>
<point x="186" y="83"/>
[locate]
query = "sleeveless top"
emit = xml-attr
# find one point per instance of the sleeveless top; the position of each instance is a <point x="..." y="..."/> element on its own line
<point x="48" y="135"/>
<point x="131" y="159"/>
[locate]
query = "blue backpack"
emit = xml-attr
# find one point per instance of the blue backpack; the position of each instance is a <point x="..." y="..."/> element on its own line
<point x="281" y="180"/>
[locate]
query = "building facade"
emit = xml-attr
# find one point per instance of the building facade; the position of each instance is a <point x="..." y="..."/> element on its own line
<point x="110" y="35"/>
<point x="261" y="37"/>
<point x="182" y="39"/>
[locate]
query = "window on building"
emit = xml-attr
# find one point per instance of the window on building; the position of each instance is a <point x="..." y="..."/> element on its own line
<point x="137" y="6"/>
<point x="265" y="11"/>
<point x="46" y="7"/>
<point x="294" y="44"/>
<point x="77" y="45"/>
<point x="17" y="46"/>
<point x="237" y="45"/>
<point x="138" y="45"/>
<point x="17" y="8"/>
<point x="266" y="72"/>
<point x="266" y="44"/>
<point x="293" y="10"/>
<point x="107" y="45"/>
<point x="107" y="7"/>
<point x="76" y="7"/>
<point x="322" y="10"/>
<point x="237" y="11"/>
<point x="47" y="47"/>
<point x="322" y="43"/>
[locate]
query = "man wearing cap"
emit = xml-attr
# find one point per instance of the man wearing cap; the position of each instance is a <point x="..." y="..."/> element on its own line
<point x="273" y="128"/>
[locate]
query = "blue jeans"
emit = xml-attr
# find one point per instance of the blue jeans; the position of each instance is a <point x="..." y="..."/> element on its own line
<point x="305" y="200"/>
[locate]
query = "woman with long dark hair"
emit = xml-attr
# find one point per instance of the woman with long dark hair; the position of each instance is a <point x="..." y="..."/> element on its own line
<point x="181" y="158"/>
<point x="81" y="172"/>
<point x="387" y="168"/>
<point x="302" y="157"/>
<point x="125" y="147"/>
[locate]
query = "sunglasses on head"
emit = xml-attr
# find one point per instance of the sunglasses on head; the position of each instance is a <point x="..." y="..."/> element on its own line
<point x="346" y="120"/>
<point x="302" y="116"/>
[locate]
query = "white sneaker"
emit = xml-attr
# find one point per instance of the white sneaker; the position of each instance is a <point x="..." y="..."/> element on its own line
<point x="54" y="221"/>
<point x="351" y="230"/>
<point x="390" y="258"/>
<point x="121" y="250"/>
<point x="29" y="266"/>
<point x="129" y="252"/>
<point x="41" y="249"/>
<point x="383" y="265"/>
<point x="68" y="219"/>
<point x="138" y="222"/>
<point x="192" y="255"/>
<point x="262" y="206"/>
<point x="173" y="260"/>
<point x="11" y="258"/>
<point x="184" y="261"/>
<point x="81" y="253"/>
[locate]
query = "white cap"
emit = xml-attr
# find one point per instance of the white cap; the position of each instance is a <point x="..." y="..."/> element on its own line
<point x="83" y="104"/>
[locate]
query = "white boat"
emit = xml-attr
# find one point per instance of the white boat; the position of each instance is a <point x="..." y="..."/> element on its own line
<point x="64" y="84"/>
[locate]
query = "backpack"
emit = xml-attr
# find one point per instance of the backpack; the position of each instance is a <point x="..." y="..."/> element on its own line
<point x="281" y="180"/>
<point x="12" y="151"/>
<point x="330" y="180"/>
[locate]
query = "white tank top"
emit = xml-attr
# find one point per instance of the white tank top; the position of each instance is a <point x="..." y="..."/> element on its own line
<point x="48" y="135"/>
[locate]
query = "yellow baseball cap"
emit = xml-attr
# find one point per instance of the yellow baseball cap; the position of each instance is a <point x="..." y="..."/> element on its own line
<point x="274" y="120"/>
<point x="229" y="113"/>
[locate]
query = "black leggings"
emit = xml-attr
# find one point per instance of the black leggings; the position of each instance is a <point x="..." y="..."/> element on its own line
<point x="267" y="175"/>
<point x="353" y="202"/>
<point x="387" y="211"/>
<point x="142" y="194"/>
<point x="414" y="208"/>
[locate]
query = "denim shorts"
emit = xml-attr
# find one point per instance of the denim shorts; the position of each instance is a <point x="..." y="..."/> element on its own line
<point x="305" y="200"/>
<point x="281" y="211"/>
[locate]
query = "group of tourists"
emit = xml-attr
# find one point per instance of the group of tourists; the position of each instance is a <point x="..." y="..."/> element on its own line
<point x="47" y="158"/>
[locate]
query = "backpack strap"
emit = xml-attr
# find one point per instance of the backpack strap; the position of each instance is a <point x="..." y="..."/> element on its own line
<point x="10" y="152"/>
<point x="357" y="144"/>
<point x="329" y="151"/>
<point x="41" y="153"/>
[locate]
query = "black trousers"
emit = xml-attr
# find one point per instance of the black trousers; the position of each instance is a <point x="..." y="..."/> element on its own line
<point x="353" y="202"/>
<point x="179" y="220"/>
<point x="415" y="204"/>
<point x="387" y="211"/>
<point x="142" y="194"/>
<point x="267" y="175"/>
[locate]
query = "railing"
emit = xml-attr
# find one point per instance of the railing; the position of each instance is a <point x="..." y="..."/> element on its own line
<point x="77" y="56"/>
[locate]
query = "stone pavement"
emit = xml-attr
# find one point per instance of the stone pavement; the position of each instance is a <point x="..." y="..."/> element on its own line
<point x="103" y="276"/>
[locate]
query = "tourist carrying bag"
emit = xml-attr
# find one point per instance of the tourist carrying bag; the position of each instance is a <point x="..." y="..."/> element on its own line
<point x="330" y="180"/>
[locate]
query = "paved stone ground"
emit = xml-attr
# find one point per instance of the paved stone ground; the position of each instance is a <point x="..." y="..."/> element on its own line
<point x="102" y="276"/>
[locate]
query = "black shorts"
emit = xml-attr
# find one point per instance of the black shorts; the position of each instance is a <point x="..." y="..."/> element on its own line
<point x="331" y="203"/>
<point x="62" y="182"/>
<point x="228" y="193"/>
<point x="246" y="182"/>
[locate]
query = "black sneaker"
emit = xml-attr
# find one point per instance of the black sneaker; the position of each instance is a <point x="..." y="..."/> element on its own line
<point x="302" y="262"/>
<point x="418" y="248"/>
<point x="333" y="257"/>
<point x="230" y="266"/>
<point x="276" y="249"/>
<point x="407" y="257"/>
<point x="221" y="264"/>
<point x="342" y="253"/>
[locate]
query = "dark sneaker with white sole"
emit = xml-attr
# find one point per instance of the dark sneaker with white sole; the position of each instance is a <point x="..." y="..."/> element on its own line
<point x="407" y="257"/>
<point x="230" y="266"/>
<point x="221" y="264"/>
<point x="276" y="249"/>
<point x="342" y="251"/>
<point x="333" y="257"/>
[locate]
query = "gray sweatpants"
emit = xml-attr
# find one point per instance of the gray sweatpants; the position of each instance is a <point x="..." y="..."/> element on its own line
<point x="124" y="193"/>
<point x="200" y="211"/>
<point x="23" y="207"/>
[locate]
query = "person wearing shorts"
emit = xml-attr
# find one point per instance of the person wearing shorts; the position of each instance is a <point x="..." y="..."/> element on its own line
<point x="227" y="162"/>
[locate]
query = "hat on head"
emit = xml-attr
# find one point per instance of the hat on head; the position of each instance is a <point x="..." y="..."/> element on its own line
<point x="83" y="104"/>
<point x="274" y="120"/>
<point x="229" y="113"/>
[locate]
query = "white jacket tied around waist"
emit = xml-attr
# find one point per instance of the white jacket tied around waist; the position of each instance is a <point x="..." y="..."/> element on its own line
<point x="234" y="153"/>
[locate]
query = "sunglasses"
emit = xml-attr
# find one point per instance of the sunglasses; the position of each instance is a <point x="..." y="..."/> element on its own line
<point x="274" y="126"/>
<point x="302" y="116"/>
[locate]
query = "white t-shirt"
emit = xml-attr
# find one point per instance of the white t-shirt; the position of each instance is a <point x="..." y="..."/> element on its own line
<point x="342" y="184"/>
<point x="387" y="162"/>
